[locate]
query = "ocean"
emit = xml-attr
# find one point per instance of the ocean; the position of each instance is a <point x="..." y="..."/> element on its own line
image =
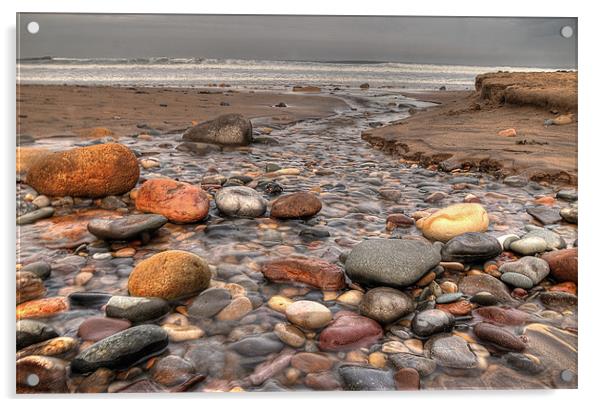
<point x="198" y="72"/>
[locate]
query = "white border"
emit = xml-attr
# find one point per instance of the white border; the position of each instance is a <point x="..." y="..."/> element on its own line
<point x="589" y="130"/>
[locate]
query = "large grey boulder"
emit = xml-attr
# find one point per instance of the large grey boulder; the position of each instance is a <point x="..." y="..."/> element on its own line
<point x="391" y="262"/>
<point x="228" y="130"/>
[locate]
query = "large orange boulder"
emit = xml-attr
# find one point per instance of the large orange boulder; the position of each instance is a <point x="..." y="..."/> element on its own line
<point x="94" y="171"/>
<point x="177" y="201"/>
<point x="171" y="275"/>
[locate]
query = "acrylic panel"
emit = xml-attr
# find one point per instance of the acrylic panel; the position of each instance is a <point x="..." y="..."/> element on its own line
<point x="295" y="203"/>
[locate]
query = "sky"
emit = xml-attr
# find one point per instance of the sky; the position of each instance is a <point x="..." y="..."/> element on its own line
<point x="504" y="41"/>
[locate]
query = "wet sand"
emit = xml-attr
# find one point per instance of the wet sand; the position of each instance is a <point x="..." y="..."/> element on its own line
<point x="462" y="131"/>
<point x="49" y="110"/>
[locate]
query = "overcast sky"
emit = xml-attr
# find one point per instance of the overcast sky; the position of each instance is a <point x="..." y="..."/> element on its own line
<point x="463" y="41"/>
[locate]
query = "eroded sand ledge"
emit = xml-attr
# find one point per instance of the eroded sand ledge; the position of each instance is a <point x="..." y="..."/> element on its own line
<point x="462" y="131"/>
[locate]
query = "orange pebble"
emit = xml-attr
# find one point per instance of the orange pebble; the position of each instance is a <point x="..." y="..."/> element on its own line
<point x="44" y="307"/>
<point x="567" y="287"/>
<point x="459" y="308"/>
<point x="546" y="200"/>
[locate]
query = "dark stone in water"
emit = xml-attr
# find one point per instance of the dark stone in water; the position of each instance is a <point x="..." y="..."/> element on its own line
<point x="136" y="309"/>
<point x="391" y="262"/>
<point x="127" y="227"/>
<point x="499" y="336"/>
<point x="89" y="299"/>
<point x="39" y="268"/>
<point x="227" y="129"/>
<point x="567" y="195"/>
<point x="30" y="331"/>
<point x="385" y="304"/>
<point x="432" y="321"/>
<point x="209" y="303"/>
<point x="208" y="357"/>
<point x="558" y="299"/>
<point x="472" y="285"/>
<point x="36" y="215"/>
<point x="423" y="365"/>
<point x="472" y="247"/>
<point x="450" y="351"/>
<point x="523" y="363"/>
<point x="545" y="214"/>
<point x="97" y="328"/>
<point x="361" y="378"/>
<point x="198" y="148"/>
<point x="122" y="350"/>
<point x="260" y="345"/>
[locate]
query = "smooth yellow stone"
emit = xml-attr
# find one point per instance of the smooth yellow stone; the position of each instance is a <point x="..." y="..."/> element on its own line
<point x="356" y="356"/>
<point x="395" y="347"/>
<point x="279" y="303"/>
<point x="351" y="297"/>
<point x="180" y="333"/>
<point x="329" y="295"/>
<point x="377" y="359"/>
<point x="414" y="345"/>
<point x="453" y="221"/>
<point x="236" y="290"/>
<point x="238" y="308"/>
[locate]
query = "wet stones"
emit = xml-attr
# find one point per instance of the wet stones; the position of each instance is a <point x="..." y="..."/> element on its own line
<point x="385" y="304"/>
<point x="296" y="205"/>
<point x="126" y="228"/>
<point x="259" y="345"/>
<point x="240" y="201"/>
<point x="529" y="245"/>
<point x="41" y="374"/>
<point x="136" y="309"/>
<point x="170" y="275"/>
<point x="235" y="310"/>
<point x="177" y="201"/>
<point x="545" y="214"/>
<point x="35" y="215"/>
<point x="171" y="371"/>
<point x="308" y="314"/>
<point x="501" y="316"/>
<point x="499" y="336"/>
<point x="122" y="350"/>
<point x="209" y="303"/>
<point x="94" y="171"/>
<point x="450" y="351"/>
<point x="227" y="130"/>
<point x="570" y="215"/>
<point x="558" y="300"/>
<point x="424" y="366"/>
<point x="398" y="220"/>
<point x="348" y="332"/>
<point x="39" y="268"/>
<point x="534" y="268"/>
<point x="564" y="265"/>
<point x="289" y="334"/>
<point x="42" y="308"/>
<point x="30" y="331"/>
<point x="390" y="262"/>
<point x="29" y="287"/>
<point x="453" y="221"/>
<point x="311" y="362"/>
<point x="314" y="272"/>
<point x="553" y="240"/>
<point x="472" y="247"/>
<point x="407" y="379"/>
<point x="96" y="328"/>
<point x="59" y="347"/>
<point x="431" y="322"/>
<point x="359" y="378"/>
<point x="479" y="283"/>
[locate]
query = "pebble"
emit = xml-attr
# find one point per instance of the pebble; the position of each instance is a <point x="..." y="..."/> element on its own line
<point x="349" y="332"/>
<point x="570" y="214"/>
<point x="449" y="297"/>
<point x="432" y="321"/>
<point x="171" y="370"/>
<point x="39" y="268"/>
<point x="385" y="304"/>
<point x="235" y="310"/>
<point x="484" y="298"/>
<point x="450" y="351"/>
<point x="259" y="345"/>
<point x="553" y="239"/>
<point x="366" y="379"/>
<point x="545" y="214"/>
<point x="240" y="201"/>
<point x="314" y="272"/>
<point x="424" y="366"/>
<point x="122" y="350"/>
<point x="470" y="248"/>
<point x="28" y="287"/>
<point x="97" y="382"/>
<point x="231" y="129"/>
<point x="279" y="303"/>
<point x="41" y="201"/>
<point x="377" y="360"/>
<point x="501" y="316"/>
<point x="96" y="328"/>
<point x="558" y="299"/>
<point x="181" y="333"/>
<point x="171" y="275"/>
<point x="42" y="308"/>
<point x="311" y="362"/>
<point x="177" y="201"/>
<point x="453" y="221"/>
<point x="352" y="298"/>
<point x="30" y="332"/>
<point x="458" y="308"/>
<point x="534" y="268"/>
<point x="473" y="284"/>
<point x="407" y="379"/>
<point x="308" y="314"/>
<point x="322" y="381"/>
<point x="33" y="216"/>
<point x="529" y="245"/>
<point x="209" y="303"/>
<point x="126" y="228"/>
<point x="517" y="280"/>
<point x="564" y="264"/>
<point x="289" y="334"/>
<point x="391" y="262"/>
<point x="136" y="309"/>
<point x="296" y="205"/>
<point x="499" y="336"/>
<point x="41" y="374"/>
<point x="58" y="347"/>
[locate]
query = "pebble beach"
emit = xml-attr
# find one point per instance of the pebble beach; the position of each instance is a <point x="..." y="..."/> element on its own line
<point x="237" y="239"/>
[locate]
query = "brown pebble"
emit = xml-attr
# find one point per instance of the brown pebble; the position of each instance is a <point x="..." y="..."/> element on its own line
<point x="426" y="279"/>
<point x="407" y="379"/>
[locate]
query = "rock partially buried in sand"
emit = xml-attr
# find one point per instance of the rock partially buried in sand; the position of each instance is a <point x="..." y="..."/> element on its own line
<point x="297" y="205"/>
<point x="122" y="350"/>
<point x="95" y="171"/>
<point x="177" y="201"/>
<point x="240" y="201"/>
<point x="228" y="130"/>
<point x="127" y="227"/>
<point x="391" y="262"/>
<point x="170" y="275"/>
<point x="453" y="221"/>
<point x="315" y="272"/>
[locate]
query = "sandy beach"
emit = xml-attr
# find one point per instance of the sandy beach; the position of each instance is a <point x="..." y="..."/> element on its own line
<point x="462" y="131"/>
